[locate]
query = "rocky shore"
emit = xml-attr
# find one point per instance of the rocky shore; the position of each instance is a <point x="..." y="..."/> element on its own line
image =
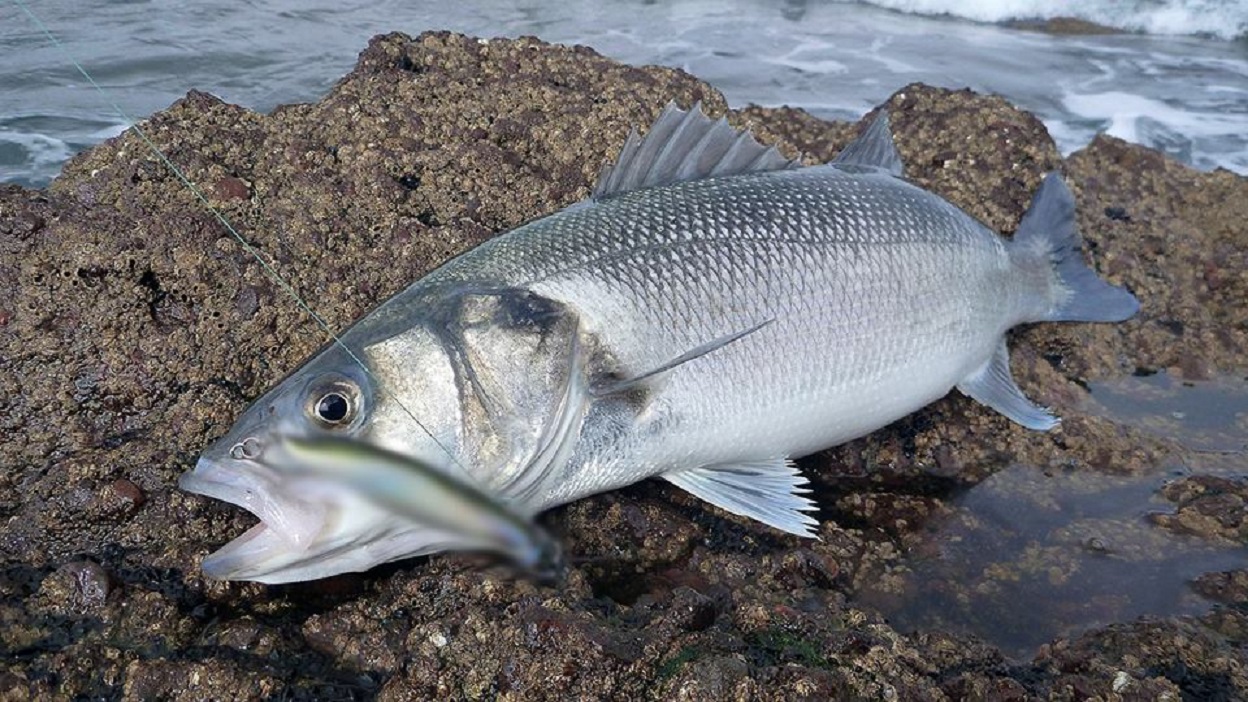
<point x="134" y="329"/>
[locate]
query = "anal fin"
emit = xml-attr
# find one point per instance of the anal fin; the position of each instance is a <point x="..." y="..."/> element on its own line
<point x="993" y="385"/>
<point x="770" y="491"/>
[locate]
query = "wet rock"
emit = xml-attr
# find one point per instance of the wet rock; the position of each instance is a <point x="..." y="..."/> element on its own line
<point x="230" y="188"/>
<point x="691" y="610"/>
<point x="718" y="678"/>
<point x="122" y="496"/>
<point x="1230" y="587"/>
<point x="1208" y="506"/>
<point x="1063" y="26"/>
<point x="188" y="680"/>
<point x="77" y="587"/>
<point x="1175" y="659"/>
<point x="138" y="328"/>
<point x="804" y="566"/>
<point x="353" y="640"/>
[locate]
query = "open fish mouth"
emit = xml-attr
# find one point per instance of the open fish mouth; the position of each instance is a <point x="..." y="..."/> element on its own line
<point x="290" y="522"/>
<point x="308" y="529"/>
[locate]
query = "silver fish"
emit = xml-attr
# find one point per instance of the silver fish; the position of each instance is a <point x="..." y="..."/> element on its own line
<point x="324" y="467"/>
<point x="711" y="312"/>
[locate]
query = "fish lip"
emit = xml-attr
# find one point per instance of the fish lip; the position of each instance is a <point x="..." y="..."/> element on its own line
<point x="290" y="524"/>
<point x="214" y="479"/>
<point x="242" y="555"/>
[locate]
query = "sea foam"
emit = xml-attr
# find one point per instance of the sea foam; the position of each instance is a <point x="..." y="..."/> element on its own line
<point x="1225" y="19"/>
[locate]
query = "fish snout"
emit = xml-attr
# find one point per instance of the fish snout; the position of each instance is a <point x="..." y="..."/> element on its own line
<point x="223" y="480"/>
<point x="289" y="523"/>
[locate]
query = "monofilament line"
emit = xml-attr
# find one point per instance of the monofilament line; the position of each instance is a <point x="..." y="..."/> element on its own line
<point x="199" y="195"/>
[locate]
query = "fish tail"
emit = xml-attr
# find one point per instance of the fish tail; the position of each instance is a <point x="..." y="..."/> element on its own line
<point x="1047" y="237"/>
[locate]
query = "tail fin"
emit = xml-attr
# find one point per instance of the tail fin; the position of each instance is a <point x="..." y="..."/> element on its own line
<point x="1048" y="232"/>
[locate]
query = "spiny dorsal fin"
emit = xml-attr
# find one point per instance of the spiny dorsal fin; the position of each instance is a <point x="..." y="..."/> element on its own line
<point x="685" y="145"/>
<point x="873" y="149"/>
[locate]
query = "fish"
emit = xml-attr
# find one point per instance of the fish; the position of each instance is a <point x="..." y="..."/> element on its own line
<point x="469" y="518"/>
<point x="712" y="311"/>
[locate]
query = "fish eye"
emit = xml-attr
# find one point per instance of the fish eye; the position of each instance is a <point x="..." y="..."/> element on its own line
<point x="333" y="405"/>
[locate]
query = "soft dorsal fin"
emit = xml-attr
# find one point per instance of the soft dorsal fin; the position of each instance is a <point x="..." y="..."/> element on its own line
<point x="873" y="149"/>
<point x="685" y="145"/>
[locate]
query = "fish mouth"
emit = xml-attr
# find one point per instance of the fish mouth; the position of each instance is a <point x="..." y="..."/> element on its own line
<point x="290" y="524"/>
<point x="262" y="492"/>
<point x="308" y="529"/>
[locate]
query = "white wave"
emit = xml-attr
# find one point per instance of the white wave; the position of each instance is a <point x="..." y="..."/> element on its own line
<point x="1206" y="139"/>
<point x="1123" y="111"/>
<point x="805" y="57"/>
<point x="30" y="158"/>
<point x="110" y="131"/>
<point x="1225" y="19"/>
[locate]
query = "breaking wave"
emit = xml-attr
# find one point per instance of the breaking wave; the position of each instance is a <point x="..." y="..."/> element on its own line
<point x="27" y="158"/>
<point x="33" y="149"/>
<point x="1224" y="19"/>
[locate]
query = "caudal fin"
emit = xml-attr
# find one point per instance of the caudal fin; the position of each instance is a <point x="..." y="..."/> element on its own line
<point x="1048" y="233"/>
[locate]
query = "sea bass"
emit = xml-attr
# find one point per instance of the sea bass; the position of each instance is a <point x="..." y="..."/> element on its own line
<point x="711" y="312"/>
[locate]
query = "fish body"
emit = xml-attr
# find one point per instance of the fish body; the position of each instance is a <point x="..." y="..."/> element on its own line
<point x="711" y="313"/>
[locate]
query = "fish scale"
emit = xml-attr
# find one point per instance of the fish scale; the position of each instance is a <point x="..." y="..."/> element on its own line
<point x="777" y="244"/>
<point x="712" y="312"/>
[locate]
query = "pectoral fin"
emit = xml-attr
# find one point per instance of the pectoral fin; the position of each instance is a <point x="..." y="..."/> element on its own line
<point x="993" y="385"/>
<point x="770" y="491"/>
<point x="697" y="352"/>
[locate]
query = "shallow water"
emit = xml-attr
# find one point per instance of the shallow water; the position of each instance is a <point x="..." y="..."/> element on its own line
<point x="1185" y="95"/>
<point x="1030" y="555"/>
<point x="1203" y="416"/>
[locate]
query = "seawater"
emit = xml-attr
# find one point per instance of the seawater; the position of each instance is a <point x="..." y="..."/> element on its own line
<point x="1033" y="554"/>
<point x="1184" y="94"/>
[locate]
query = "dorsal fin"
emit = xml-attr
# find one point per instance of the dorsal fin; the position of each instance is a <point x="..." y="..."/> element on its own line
<point x="873" y="149"/>
<point x="685" y="145"/>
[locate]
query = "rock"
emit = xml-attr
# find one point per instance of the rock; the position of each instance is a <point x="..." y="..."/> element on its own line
<point x="1063" y="26"/>
<point x="1228" y="587"/>
<point x="137" y="328"/>
<point x="1207" y="506"/>
<point x="78" y="586"/>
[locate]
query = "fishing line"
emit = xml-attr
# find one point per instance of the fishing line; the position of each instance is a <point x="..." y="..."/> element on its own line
<point x="199" y="195"/>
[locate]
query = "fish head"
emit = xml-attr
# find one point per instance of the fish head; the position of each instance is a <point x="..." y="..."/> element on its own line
<point x="479" y="390"/>
<point x="305" y="526"/>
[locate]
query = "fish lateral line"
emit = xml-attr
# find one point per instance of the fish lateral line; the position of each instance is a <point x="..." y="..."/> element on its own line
<point x="268" y="268"/>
